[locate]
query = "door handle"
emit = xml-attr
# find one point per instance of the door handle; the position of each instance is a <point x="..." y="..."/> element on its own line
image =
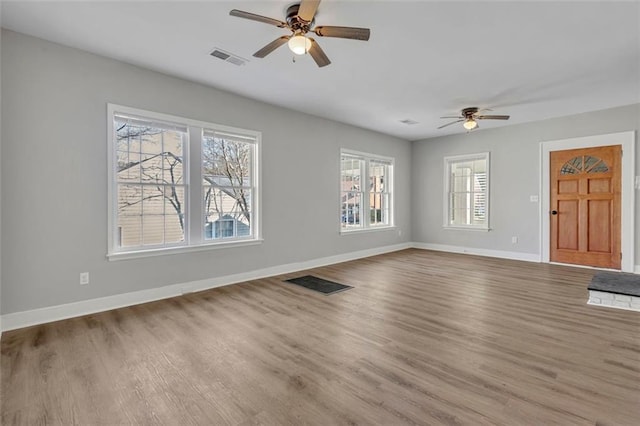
<point x="554" y="212"/>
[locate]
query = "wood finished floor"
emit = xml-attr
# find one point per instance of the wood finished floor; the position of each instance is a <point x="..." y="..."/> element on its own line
<point x="424" y="338"/>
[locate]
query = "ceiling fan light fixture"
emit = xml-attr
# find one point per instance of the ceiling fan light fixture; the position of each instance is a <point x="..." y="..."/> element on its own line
<point x="299" y="44"/>
<point x="470" y="124"/>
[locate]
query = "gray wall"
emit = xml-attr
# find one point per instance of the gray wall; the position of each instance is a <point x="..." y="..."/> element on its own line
<point x="515" y="175"/>
<point x="54" y="177"/>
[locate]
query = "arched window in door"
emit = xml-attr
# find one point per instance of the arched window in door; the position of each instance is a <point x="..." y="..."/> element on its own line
<point x="584" y="164"/>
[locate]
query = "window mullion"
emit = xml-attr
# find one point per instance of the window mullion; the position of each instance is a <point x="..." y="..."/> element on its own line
<point x="195" y="209"/>
<point x="365" y="205"/>
<point x="390" y="188"/>
<point x="255" y="211"/>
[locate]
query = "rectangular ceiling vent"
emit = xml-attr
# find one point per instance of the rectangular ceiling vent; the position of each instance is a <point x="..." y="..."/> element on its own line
<point x="228" y="57"/>
<point x="408" y="121"/>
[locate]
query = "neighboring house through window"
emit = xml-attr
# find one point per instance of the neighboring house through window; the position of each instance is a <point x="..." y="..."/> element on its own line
<point x="177" y="183"/>
<point x="365" y="191"/>
<point x="467" y="191"/>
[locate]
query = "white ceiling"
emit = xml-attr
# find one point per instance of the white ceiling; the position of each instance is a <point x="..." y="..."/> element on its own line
<point x="533" y="60"/>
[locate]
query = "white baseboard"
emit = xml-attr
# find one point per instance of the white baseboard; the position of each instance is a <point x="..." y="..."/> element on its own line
<point x="70" y="310"/>
<point x="513" y="255"/>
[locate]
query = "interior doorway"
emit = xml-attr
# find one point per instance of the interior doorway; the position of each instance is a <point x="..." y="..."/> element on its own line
<point x="575" y="234"/>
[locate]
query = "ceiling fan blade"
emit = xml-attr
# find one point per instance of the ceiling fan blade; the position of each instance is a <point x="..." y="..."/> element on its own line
<point x="271" y="46"/>
<point x="343" y="32"/>
<point x="308" y="9"/>
<point x="259" y="18"/>
<point x="492" y="117"/>
<point x="452" y="116"/>
<point x="318" y="54"/>
<point x="449" y="124"/>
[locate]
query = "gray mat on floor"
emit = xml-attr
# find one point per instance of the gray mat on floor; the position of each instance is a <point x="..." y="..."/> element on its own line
<point x="319" y="284"/>
<point x="616" y="282"/>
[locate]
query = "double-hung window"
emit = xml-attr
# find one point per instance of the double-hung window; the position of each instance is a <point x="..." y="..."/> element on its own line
<point x="228" y="184"/>
<point x="467" y="191"/>
<point x="366" y="187"/>
<point x="177" y="184"/>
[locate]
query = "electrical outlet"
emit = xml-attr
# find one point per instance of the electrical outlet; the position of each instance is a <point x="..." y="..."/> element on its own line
<point x="637" y="182"/>
<point x="533" y="198"/>
<point x="84" y="278"/>
<point x="514" y="240"/>
<point x="399" y="232"/>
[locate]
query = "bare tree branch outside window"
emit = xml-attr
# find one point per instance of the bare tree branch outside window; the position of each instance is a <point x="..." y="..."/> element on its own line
<point x="226" y="171"/>
<point x="150" y="171"/>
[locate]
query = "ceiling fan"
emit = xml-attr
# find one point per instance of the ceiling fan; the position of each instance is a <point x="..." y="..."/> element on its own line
<point x="300" y="21"/>
<point x="469" y="118"/>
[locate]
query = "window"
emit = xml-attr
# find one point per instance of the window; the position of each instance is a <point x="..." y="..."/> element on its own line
<point x="365" y="191"/>
<point x="584" y="164"/>
<point x="176" y="183"/>
<point x="466" y="191"/>
<point x="228" y="188"/>
<point x="150" y="182"/>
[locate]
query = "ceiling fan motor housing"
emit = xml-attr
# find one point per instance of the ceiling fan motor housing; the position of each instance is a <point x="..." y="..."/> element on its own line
<point x="296" y="23"/>
<point x="469" y="112"/>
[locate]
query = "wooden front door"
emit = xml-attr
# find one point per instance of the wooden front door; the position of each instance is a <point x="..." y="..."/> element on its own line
<point x="585" y="206"/>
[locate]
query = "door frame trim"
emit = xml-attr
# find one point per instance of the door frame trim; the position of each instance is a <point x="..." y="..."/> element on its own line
<point x="627" y="140"/>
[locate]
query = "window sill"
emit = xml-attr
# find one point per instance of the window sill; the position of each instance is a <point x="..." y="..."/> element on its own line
<point x="465" y="228"/>
<point x="126" y="255"/>
<point x="366" y="230"/>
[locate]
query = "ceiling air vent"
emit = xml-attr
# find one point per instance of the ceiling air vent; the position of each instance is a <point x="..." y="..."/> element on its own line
<point x="408" y="121"/>
<point x="228" y="57"/>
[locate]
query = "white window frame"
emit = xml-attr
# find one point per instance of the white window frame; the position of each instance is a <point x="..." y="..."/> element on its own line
<point x="450" y="160"/>
<point x="365" y="214"/>
<point x="194" y="238"/>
